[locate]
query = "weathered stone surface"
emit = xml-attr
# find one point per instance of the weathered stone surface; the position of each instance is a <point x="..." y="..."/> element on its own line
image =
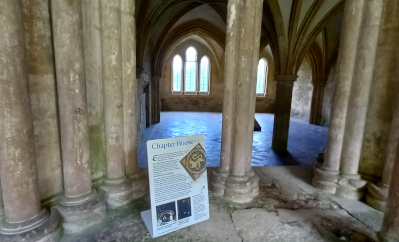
<point x="289" y="210"/>
<point x="302" y="92"/>
<point x="42" y="90"/>
<point x="94" y="87"/>
<point x="298" y="225"/>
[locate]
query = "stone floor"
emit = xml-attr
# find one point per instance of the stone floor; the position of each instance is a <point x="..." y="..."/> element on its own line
<point x="305" y="140"/>
<point x="287" y="209"/>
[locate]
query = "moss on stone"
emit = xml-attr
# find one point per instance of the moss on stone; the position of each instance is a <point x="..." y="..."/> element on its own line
<point x="97" y="152"/>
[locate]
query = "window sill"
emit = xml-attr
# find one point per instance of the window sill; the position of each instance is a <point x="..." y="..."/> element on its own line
<point x="190" y="93"/>
<point x="261" y="95"/>
<point x="177" y="92"/>
<point x="203" y="93"/>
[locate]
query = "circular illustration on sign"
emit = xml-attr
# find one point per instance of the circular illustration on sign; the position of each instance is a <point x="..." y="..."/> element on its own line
<point x="195" y="162"/>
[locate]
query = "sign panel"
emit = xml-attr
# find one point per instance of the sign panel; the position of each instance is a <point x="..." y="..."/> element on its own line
<point x="178" y="184"/>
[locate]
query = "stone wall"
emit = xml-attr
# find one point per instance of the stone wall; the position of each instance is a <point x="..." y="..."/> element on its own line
<point x="327" y="99"/>
<point x="302" y="92"/>
<point x="206" y="103"/>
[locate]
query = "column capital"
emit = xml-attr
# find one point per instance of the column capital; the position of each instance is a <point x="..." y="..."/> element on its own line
<point x="286" y="80"/>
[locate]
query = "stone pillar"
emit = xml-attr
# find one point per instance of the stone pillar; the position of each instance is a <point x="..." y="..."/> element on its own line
<point x="238" y="186"/>
<point x="130" y="104"/>
<point x="317" y="102"/>
<point x="378" y="193"/>
<point x="253" y="178"/>
<point x="231" y="65"/>
<point x="350" y="184"/>
<point x="81" y="206"/>
<point x="24" y="219"/>
<point x="148" y="104"/>
<point x="117" y="187"/>
<point x="326" y="177"/>
<point x="94" y="86"/>
<point x="285" y="84"/>
<point x="390" y="227"/>
<point x="42" y="90"/>
<point x="386" y="62"/>
<point x="157" y="98"/>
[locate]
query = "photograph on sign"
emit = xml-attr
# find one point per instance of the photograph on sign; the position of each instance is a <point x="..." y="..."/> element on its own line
<point x="178" y="184"/>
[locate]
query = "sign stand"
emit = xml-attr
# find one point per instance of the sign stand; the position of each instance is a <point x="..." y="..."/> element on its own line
<point x="178" y="184"/>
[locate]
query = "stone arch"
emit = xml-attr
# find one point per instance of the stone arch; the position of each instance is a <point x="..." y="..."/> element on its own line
<point x="190" y="28"/>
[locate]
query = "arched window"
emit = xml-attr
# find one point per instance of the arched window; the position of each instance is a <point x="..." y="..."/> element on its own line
<point x="177" y="73"/>
<point x="261" y="78"/>
<point x="191" y="70"/>
<point x="204" y="75"/>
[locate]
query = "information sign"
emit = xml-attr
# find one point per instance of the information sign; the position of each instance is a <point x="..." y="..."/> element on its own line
<point x="178" y="184"/>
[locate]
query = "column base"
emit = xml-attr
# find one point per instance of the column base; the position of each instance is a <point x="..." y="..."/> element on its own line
<point x="254" y="179"/>
<point x="351" y="186"/>
<point x="118" y="192"/>
<point x="377" y="196"/>
<point x="218" y="179"/>
<point x="140" y="184"/>
<point x="325" y="180"/>
<point x="45" y="227"/>
<point x="238" y="189"/>
<point x="82" y="212"/>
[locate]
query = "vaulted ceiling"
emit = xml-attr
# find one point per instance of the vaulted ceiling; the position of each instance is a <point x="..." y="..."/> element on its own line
<point x="290" y="27"/>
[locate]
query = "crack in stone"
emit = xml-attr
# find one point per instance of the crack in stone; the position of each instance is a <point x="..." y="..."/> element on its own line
<point x="235" y="228"/>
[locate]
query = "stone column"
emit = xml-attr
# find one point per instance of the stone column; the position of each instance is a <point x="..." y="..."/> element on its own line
<point x="285" y="84"/>
<point x="254" y="179"/>
<point x="378" y="193"/>
<point x="148" y="105"/>
<point x="238" y="186"/>
<point x="326" y="177"/>
<point x="24" y="219"/>
<point x="157" y="98"/>
<point x="42" y="90"/>
<point x="317" y="102"/>
<point x="350" y="184"/>
<point x="231" y="63"/>
<point x="117" y="187"/>
<point x="94" y="86"/>
<point x="81" y="206"/>
<point x="130" y="104"/>
<point x="386" y="62"/>
<point x="390" y="227"/>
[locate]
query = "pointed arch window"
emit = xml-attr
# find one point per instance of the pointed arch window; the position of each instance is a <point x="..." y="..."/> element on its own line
<point x="191" y="71"/>
<point x="261" y="80"/>
<point x="204" y="75"/>
<point x="177" y="74"/>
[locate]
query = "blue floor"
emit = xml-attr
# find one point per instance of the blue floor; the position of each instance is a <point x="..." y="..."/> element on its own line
<point x="305" y="140"/>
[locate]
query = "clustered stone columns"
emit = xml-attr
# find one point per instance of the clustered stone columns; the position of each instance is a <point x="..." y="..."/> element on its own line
<point x="24" y="219"/>
<point x="350" y="184"/>
<point x="387" y="62"/>
<point x="285" y="84"/>
<point x="81" y="206"/>
<point x="119" y="83"/>
<point x="235" y="179"/>
<point x="317" y="102"/>
<point x="326" y="177"/>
